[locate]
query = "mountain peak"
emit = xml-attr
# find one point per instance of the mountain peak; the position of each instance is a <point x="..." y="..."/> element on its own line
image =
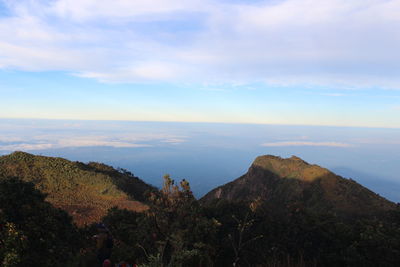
<point x="281" y="181"/>
<point x="296" y="158"/>
<point x="18" y="154"/>
<point x="293" y="167"/>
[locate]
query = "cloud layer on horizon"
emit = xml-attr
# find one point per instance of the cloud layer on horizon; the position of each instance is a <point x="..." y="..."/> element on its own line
<point x="306" y="143"/>
<point x="290" y="42"/>
<point x="17" y="140"/>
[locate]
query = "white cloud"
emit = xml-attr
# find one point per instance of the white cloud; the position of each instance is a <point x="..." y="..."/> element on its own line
<point x="85" y="142"/>
<point x="73" y="142"/>
<point x="26" y="147"/>
<point x="174" y="141"/>
<point x="333" y="94"/>
<point x="38" y="138"/>
<point x="306" y="143"/>
<point x="335" y="42"/>
<point x="142" y="72"/>
<point x="92" y="9"/>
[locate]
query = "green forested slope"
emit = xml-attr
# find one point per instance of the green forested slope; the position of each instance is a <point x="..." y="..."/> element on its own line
<point x="86" y="191"/>
<point x="281" y="182"/>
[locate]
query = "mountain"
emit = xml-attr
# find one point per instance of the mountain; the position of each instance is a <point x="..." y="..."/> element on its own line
<point x="282" y="212"/>
<point x="281" y="182"/>
<point x="85" y="191"/>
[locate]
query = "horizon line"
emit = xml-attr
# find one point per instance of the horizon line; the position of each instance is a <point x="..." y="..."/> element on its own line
<point x="200" y="122"/>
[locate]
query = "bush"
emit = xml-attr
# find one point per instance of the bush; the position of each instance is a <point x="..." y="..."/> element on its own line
<point x="33" y="232"/>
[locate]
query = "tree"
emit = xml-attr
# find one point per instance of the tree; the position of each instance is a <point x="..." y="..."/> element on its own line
<point x="32" y="231"/>
<point x="182" y="230"/>
<point x="172" y="232"/>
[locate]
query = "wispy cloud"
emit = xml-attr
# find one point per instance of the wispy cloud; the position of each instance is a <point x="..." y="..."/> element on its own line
<point x="174" y="141"/>
<point x="335" y="42"/>
<point x="333" y="94"/>
<point x="75" y="135"/>
<point x="72" y="142"/>
<point x="26" y="147"/>
<point x="306" y="143"/>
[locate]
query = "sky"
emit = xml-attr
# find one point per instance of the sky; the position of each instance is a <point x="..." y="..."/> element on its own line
<point x="291" y="62"/>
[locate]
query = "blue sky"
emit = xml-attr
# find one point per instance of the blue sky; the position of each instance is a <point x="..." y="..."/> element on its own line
<point x="331" y="62"/>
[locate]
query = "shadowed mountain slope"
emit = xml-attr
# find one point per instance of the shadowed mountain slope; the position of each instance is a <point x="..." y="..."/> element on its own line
<point x="282" y="182"/>
<point x="86" y="191"/>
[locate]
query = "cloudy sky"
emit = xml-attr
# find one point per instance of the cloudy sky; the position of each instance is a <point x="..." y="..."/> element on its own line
<point x="328" y="62"/>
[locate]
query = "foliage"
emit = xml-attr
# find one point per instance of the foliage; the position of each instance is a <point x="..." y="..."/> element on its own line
<point x="86" y="191"/>
<point x="287" y="181"/>
<point x="13" y="244"/>
<point x="33" y="232"/>
<point x="173" y="230"/>
<point x="178" y="230"/>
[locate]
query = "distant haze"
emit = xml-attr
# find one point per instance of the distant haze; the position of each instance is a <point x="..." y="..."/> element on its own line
<point x="210" y="154"/>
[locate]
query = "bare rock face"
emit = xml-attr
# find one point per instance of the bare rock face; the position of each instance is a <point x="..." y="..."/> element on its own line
<point x="281" y="182"/>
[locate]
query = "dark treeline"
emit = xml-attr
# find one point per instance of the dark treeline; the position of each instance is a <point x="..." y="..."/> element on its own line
<point x="176" y="230"/>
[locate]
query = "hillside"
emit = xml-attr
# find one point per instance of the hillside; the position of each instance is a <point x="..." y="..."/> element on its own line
<point x="280" y="182"/>
<point x="85" y="191"/>
<point x="282" y="212"/>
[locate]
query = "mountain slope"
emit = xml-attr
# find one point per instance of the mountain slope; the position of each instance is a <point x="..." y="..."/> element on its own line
<point x="86" y="191"/>
<point x="282" y="182"/>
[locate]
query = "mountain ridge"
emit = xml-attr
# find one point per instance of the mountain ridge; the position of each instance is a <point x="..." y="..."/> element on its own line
<point x="85" y="191"/>
<point x="280" y="181"/>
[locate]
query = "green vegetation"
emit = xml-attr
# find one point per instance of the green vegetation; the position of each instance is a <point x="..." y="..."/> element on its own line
<point x="86" y="191"/>
<point x="177" y="231"/>
<point x="286" y="181"/>
<point x="32" y="231"/>
<point x="173" y="231"/>
<point x="232" y="226"/>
